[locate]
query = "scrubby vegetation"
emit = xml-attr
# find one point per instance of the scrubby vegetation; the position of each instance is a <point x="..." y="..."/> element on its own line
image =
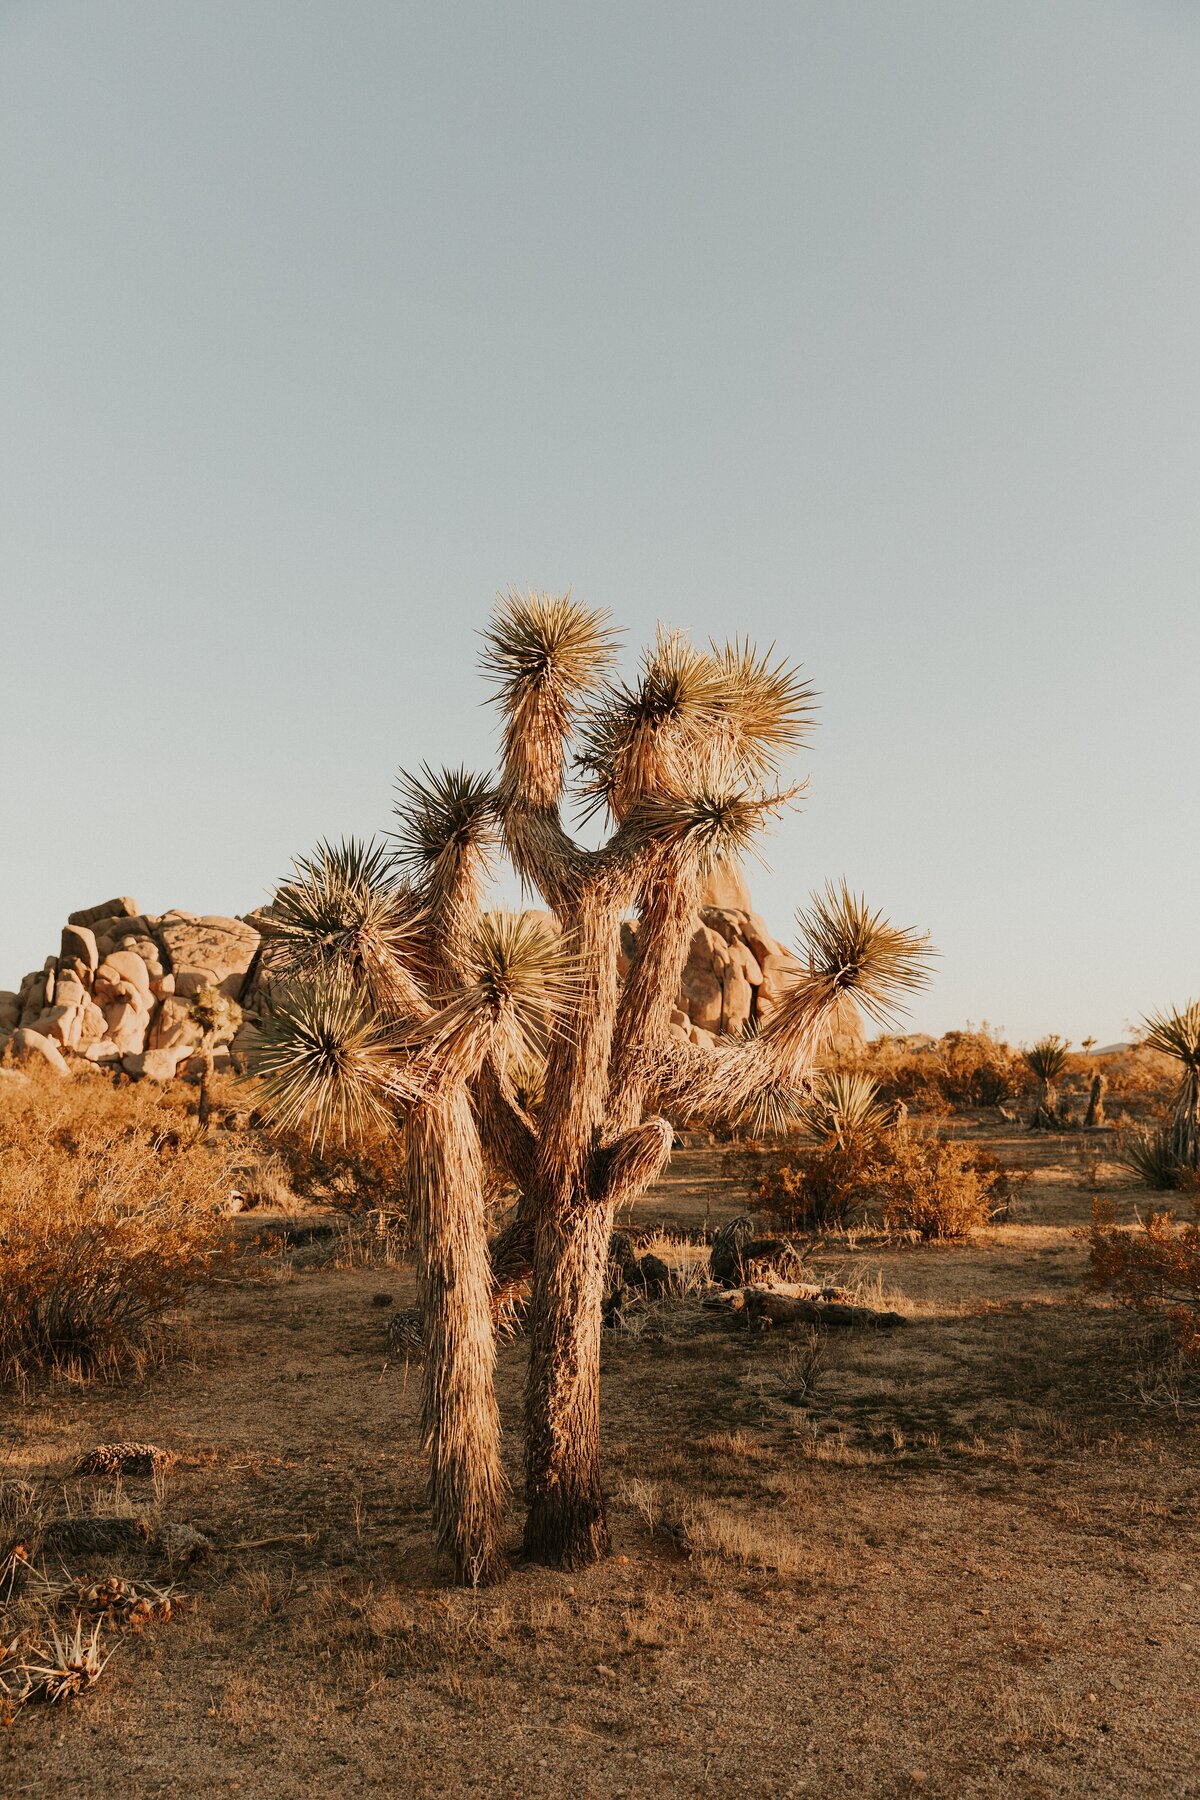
<point x="110" y="1212"/>
<point x="1153" y="1268"/>
<point x="909" y="1180"/>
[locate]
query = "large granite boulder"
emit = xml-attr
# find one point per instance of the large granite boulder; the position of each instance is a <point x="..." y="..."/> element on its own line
<point x="207" y="951"/>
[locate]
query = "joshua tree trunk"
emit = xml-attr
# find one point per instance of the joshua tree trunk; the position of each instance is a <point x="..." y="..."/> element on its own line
<point x="566" y="1526"/>
<point x="1045" y="1108"/>
<point x="1095" y="1106"/>
<point x="204" y="1102"/>
<point x="1186" y="1127"/>
<point x="460" y="1417"/>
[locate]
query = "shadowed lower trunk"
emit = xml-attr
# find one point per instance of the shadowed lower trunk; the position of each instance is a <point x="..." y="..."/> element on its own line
<point x="1045" y="1108"/>
<point x="460" y="1417"/>
<point x="566" y="1527"/>
<point x="1185" y="1131"/>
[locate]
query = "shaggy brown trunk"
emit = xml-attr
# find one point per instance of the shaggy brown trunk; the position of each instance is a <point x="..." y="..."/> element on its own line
<point x="204" y="1102"/>
<point x="461" y="1420"/>
<point x="566" y="1527"/>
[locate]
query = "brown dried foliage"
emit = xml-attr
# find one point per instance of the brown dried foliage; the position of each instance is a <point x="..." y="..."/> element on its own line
<point x="1153" y="1268"/>
<point x="108" y="1216"/>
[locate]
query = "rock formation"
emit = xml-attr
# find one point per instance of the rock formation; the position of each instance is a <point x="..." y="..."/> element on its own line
<point x="119" y="992"/>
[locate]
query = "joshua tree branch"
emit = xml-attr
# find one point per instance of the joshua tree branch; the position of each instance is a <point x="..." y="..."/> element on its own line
<point x="505" y="1127"/>
<point x="623" y="1169"/>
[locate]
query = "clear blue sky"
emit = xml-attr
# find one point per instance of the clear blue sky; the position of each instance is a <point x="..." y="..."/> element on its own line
<point x="872" y="329"/>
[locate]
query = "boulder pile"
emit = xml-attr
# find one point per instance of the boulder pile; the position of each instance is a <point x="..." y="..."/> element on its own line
<point x="119" y="992"/>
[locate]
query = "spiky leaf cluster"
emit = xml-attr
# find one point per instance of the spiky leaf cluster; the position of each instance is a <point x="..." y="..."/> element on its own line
<point x="1176" y="1034"/>
<point x="444" y="817"/>
<point x="723" y="716"/>
<point x="326" y="1061"/>
<point x="343" y="915"/>
<point x="852" y="949"/>
<point x="1046" y="1059"/>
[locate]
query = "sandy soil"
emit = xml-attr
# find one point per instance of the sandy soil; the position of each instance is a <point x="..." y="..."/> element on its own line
<point x="956" y="1560"/>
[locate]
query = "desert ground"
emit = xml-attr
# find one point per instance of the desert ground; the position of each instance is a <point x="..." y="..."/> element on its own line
<point x="954" y="1559"/>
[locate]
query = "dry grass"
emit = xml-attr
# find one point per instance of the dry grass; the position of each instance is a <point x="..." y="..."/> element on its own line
<point x="108" y="1217"/>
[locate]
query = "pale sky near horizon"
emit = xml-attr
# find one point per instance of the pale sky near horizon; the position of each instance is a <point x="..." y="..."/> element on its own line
<point x="869" y="329"/>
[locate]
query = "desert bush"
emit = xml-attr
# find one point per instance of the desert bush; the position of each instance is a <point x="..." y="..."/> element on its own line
<point x="968" y="1068"/>
<point x="1155" y="1268"/>
<point x="810" y="1188"/>
<point x="934" y="1187"/>
<point x="107" y="1218"/>
<point x="976" y="1069"/>
<point x="911" y="1180"/>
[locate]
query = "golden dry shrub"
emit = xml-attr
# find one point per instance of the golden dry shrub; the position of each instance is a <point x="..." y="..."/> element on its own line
<point x="109" y="1213"/>
<point x="1155" y="1268"/>
<point x="814" y="1189"/>
<point x="962" y="1071"/>
<point x="935" y="1187"/>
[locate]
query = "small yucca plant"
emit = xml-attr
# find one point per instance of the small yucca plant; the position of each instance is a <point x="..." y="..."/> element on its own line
<point x="1150" y="1155"/>
<point x="218" y="1018"/>
<point x="845" y="1110"/>
<point x="1045" y="1061"/>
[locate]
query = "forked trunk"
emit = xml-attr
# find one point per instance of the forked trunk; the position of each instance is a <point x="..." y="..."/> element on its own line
<point x="461" y="1420"/>
<point x="566" y="1527"/>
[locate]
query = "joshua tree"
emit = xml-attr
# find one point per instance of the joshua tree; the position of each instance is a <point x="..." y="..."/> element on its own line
<point x="1177" y="1034"/>
<point x="1045" y="1062"/>
<point x="216" y="1015"/>
<point x="438" y="1017"/>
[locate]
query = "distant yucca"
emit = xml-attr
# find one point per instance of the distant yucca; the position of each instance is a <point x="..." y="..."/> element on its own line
<point x="1045" y="1061"/>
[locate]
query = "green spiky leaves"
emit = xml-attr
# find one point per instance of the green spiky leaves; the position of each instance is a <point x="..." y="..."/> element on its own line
<point x="689" y="712"/>
<point x="326" y="1062"/>
<point x="845" y="1109"/>
<point x="767" y="709"/>
<point x="543" y="652"/>
<point x="714" y="823"/>
<point x="546" y="644"/>
<point x="852" y="949"/>
<point x="521" y="978"/>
